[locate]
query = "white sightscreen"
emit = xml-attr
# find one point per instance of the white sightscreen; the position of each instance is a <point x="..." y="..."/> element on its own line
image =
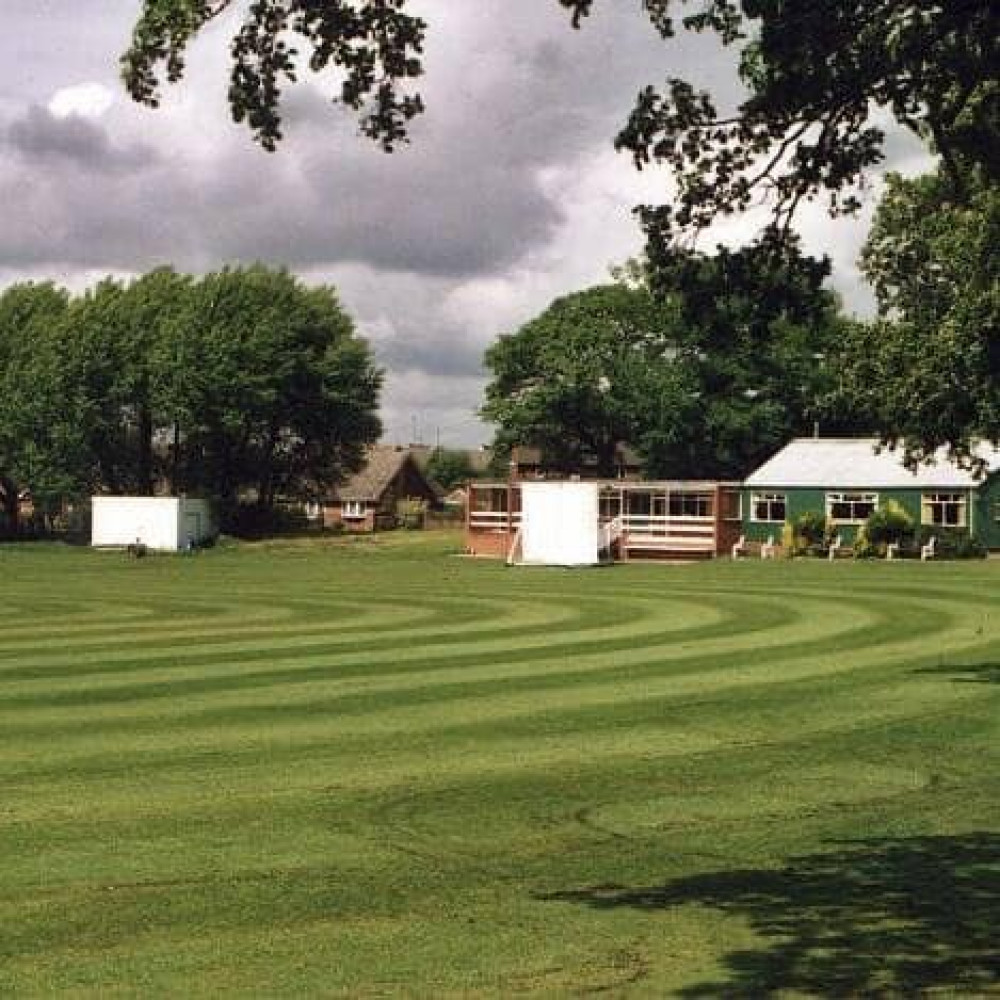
<point x="158" y="522"/>
<point x="124" y="520"/>
<point x="559" y="524"/>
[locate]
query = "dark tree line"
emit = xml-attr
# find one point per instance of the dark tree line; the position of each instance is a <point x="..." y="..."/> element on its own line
<point x="244" y="383"/>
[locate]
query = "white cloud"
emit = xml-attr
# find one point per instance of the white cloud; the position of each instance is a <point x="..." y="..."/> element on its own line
<point x="86" y="100"/>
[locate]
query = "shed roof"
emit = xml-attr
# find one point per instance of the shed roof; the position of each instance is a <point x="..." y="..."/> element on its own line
<point x="846" y="463"/>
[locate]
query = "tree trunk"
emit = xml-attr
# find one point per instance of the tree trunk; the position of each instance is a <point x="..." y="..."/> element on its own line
<point x="9" y="502"/>
<point x="145" y="465"/>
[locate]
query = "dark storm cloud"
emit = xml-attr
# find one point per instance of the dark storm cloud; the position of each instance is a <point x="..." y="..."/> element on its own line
<point x="520" y="94"/>
<point x="442" y="350"/>
<point x="41" y="138"/>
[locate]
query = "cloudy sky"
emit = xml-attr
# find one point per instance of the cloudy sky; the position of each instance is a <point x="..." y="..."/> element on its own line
<point x="509" y="195"/>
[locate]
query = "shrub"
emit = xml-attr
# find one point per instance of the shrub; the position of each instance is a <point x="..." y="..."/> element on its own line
<point x="411" y="513"/>
<point x="889" y="525"/>
<point x="789" y="542"/>
<point x="952" y="543"/>
<point x="811" y="527"/>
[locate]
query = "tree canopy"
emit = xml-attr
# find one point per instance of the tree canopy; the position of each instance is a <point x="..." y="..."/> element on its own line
<point x="449" y="467"/>
<point x="927" y="373"/>
<point x="813" y="73"/>
<point x="242" y="383"/>
<point x="708" y="377"/>
<point x="816" y="76"/>
<point x="566" y="381"/>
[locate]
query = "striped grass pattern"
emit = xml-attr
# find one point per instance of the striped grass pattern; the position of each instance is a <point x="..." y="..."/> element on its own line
<point x="373" y="768"/>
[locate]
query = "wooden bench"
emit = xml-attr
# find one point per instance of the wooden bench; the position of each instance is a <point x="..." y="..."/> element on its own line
<point x="681" y="544"/>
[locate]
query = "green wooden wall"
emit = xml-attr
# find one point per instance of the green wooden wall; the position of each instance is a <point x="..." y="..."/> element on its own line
<point x="984" y="510"/>
<point x="987" y="513"/>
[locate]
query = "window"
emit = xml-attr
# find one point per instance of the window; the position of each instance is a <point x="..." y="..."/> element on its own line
<point x="850" y="508"/>
<point x="690" y="504"/>
<point x="946" y="510"/>
<point x="490" y="499"/>
<point x="353" y="509"/>
<point x="768" y="506"/>
<point x="610" y="506"/>
<point x="639" y="505"/>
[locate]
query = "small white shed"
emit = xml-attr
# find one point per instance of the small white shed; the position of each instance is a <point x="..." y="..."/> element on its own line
<point x="168" y="524"/>
<point x="560" y="524"/>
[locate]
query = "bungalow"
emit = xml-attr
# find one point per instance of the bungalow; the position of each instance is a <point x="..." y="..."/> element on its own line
<point x="846" y="479"/>
<point x="368" y="500"/>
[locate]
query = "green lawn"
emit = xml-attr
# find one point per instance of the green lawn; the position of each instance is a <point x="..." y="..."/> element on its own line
<point x="373" y="768"/>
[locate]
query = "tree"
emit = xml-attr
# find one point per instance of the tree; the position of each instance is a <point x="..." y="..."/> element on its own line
<point x="927" y="372"/>
<point x="375" y="43"/>
<point x="449" y="467"/>
<point x="708" y="377"/>
<point x="118" y="357"/>
<point x="755" y="330"/>
<point x="566" y="382"/>
<point x="815" y="75"/>
<point x="39" y="427"/>
<point x="272" y="391"/>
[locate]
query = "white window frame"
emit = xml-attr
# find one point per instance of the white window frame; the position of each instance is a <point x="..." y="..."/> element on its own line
<point x="352" y="510"/>
<point x="939" y="501"/>
<point x="851" y="497"/>
<point x="768" y="499"/>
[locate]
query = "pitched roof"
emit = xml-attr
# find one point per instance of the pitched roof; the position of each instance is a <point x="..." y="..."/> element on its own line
<point x="382" y="463"/>
<point x="846" y="463"/>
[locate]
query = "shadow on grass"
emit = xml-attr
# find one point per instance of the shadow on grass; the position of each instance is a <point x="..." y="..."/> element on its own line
<point x="876" y="918"/>
<point x="968" y="673"/>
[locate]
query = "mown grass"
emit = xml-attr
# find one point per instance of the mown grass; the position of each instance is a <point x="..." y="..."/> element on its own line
<point x="370" y="769"/>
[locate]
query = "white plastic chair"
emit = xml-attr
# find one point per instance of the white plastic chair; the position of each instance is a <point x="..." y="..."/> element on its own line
<point x="928" y="551"/>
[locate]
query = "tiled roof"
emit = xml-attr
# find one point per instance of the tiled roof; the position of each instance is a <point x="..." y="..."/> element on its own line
<point x="845" y="463"/>
<point x="382" y="464"/>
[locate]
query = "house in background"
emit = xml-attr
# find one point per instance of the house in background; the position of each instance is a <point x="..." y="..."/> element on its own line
<point x="368" y="500"/>
<point x="845" y="479"/>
